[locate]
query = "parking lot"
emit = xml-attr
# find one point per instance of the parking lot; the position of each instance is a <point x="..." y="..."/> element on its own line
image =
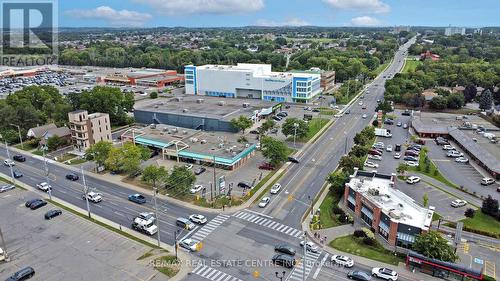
<point x="58" y="248"/>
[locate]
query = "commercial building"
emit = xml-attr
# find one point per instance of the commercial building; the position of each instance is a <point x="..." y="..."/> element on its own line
<point x="451" y="30"/>
<point x="87" y="129"/>
<point x="396" y="217"/>
<point x="193" y="146"/>
<point x="482" y="148"/>
<point x="201" y="112"/>
<point x="251" y="81"/>
<point x="327" y="78"/>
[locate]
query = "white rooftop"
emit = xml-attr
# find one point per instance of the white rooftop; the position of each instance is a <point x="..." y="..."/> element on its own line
<point x="394" y="203"/>
<point x="259" y="70"/>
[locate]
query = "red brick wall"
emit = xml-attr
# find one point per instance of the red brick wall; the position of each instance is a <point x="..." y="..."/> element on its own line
<point x="393" y="232"/>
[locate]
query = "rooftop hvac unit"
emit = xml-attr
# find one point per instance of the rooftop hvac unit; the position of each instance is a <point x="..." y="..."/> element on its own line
<point x="247" y="145"/>
<point x="221" y="145"/>
<point x="152" y="126"/>
<point x="203" y="141"/>
<point x="165" y="129"/>
<point x="234" y="153"/>
<point x="184" y="132"/>
<point x="221" y="103"/>
<point x="193" y="140"/>
<point x="228" y="150"/>
<point x="174" y="130"/>
<point x="200" y="100"/>
<point x="246" y="104"/>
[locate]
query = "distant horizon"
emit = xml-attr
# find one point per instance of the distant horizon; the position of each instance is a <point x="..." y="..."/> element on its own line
<point x="275" y="27"/>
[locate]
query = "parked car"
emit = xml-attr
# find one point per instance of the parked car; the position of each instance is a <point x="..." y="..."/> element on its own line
<point x="43" y="186"/>
<point x="375" y="157"/>
<point x="487" y="181"/>
<point x="6" y="187"/>
<point x="196" y="188"/>
<point x="441" y="141"/>
<point x="188" y="166"/>
<point x="342" y="260"/>
<point x="454" y="154"/>
<point x="23" y="274"/>
<point x="266" y="166"/>
<point x="293" y="160"/>
<point x="405" y="126"/>
<point x="277" y="118"/>
<point x="19" y="158"/>
<point x="458" y="203"/>
<point x="389" y="122"/>
<point x="244" y="185"/>
<point x="8" y="163"/>
<point x="285" y="249"/>
<point x="412" y="153"/>
<point x="399" y="124"/>
<point x="412" y="163"/>
<point x="37" y="204"/>
<point x="448" y="147"/>
<point x="137" y="198"/>
<point x="197" y="218"/>
<point x="388" y="148"/>
<point x="397" y="147"/>
<point x="371" y="164"/>
<point x="276" y="188"/>
<point x="410" y="158"/>
<point x="264" y="201"/>
<point x="310" y="246"/>
<point x="385" y="273"/>
<point x="189" y="244"/>
<point x="254" y="132"/>
<point x="359" y="275"/>
<point x="412" y="179"/>
<point x="72" y="177"/>
<point x="374" y="152"/>
<point x="199" y="170"/>
<point x="52" y="214"/>
<point x="284" y="260"/>
<point x="397" y="155"/>
<point x="461" y="160"/>
<point x="406" y="113"/>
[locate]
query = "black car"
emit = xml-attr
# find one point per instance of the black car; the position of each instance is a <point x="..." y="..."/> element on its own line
<point x="199" y="171"/>
<point x="17" y="174"/>
<point x="72" y="177"/>
<point x="389" y="122"/>
<point x="19" y="158"/>
<point x="23" y="274"/>
<point x="284" y="260"/>
<point x="285" y="249"/>
<point x="359" y="275"/>
<point x="254" y="132"/>
<point x="244" y="185"/>
<point x="277" y="118"/>
<point x="52" y="214"/>
<point x="293" y="159"/>
<point x="29" y="202"/>
<point x="406" y="113"/>
<point x="37" y="204"/>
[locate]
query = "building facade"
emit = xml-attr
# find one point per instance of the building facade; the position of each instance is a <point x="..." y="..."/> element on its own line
<point x="254" y="81"/>
<point x="396" y="217"/>
<point x="88" y="129"/>
<point x="449" y="31"/>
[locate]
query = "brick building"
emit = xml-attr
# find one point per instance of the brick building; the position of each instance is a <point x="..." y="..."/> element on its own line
<point x="87" y="129"/>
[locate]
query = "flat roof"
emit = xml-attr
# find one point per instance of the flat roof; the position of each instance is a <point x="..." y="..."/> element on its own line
<point x="158" y="78"/>
<point x="204" y="106"/>
<point x="394" y="203"/>
<point x="259" y="70"/>
<point x="201" y="145"/>
<point x="488" y="153"/>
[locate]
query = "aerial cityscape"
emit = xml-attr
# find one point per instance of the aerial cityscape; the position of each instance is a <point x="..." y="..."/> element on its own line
<point x="241" y="140"/>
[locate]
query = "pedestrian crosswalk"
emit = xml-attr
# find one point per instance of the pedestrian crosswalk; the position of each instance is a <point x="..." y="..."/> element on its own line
<point x="213" y="274"/>
<point x="209" y="227"/>
<point x="298" y="270"/>
<point x="269" y="223"/>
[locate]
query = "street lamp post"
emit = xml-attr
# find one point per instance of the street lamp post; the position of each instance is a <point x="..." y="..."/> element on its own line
<point x="155" y="190"/>
<point x="8" y="157"/>
<point x="44" y="147"/>
<point x="280" y="276"/>
<point x="295" y="126"/>
<point x="311" y="201"/>
<point x="85" y="191"/>
<point x="20" y="137"/>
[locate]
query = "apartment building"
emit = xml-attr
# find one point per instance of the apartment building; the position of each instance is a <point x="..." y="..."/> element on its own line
<point x="87" y="129"/>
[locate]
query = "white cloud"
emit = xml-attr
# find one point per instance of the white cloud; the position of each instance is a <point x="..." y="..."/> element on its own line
<point x="365" y="21"/>
<point x="112" y="16"/>
<point x="374" y="6"/>
<point x="288" y="22"/>
<point x="178" y="7"/>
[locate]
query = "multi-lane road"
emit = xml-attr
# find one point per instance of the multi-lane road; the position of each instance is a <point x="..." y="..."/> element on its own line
<point x="239" y="244"/>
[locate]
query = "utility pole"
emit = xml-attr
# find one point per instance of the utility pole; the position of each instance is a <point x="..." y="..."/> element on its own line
<point x="215" y="180"/>
<point x="310" y="200"/>
<point x="10" y="166"/>
<point x="19" y="131"/>
<point x="85" y="191"/>
<point x="44" y="147"/>
<point x="295" y="126"/>
<point x="175" y="243"/>
<point x="345" y="147"/>
<point x="4" y="248"/>
<point x="304" y="259"/>
<point x="155" y="190"/>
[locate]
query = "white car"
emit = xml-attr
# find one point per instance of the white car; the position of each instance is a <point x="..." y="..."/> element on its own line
<point x="147" y="216"/>
<point x="2" y="255"/>
<point x="188" y="166"/>
<point x="385" y="273"/>
<point x="364" y="116"/>
<point x="454" y="154"/>
<point x="461" y="160"/>
<point x="389" y="148"/>
<point x="360" y="103"/>
<point x="196" y="188"/>
<point x="412" y="163"/>
<point x="197" y="218"/>
<point x="189" y="244"/>
<point x="487" y="181"/>
<point x="397" y="155"/>
<point x="9" y="163"/>
<point x="371" y="164"/>
<point x="375" y="157"/>
<point x="310" y="246"/>
<point x="276" y="188"/>
<point x="263" y="203"/>
<point x="458" y="203"/>
<point x="43" y="186"/>
<point x="448" y="147"/>
<point x="342" y="260"/>
<point x="412" y="179"/>
<point x="93" y="196"/>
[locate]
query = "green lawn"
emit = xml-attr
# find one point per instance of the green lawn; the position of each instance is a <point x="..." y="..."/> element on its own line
<point x="381" y="68"/>
<point x="65" y="157"/>
<point x="78" y="161"/>
<point x="327" y="111"/>
<point x="26" y="146"/>
<point x="327" y="217"/>
<point x="314" y="126"/>
<point x="355" y="246"/>
<point x="432" y="171"/>
<point x="167" y="265"/>
<point x="483" y="222"/>
<point x="411" y="65"/>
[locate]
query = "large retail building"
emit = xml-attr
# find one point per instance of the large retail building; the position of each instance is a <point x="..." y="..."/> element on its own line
<point x="254" y="81"/>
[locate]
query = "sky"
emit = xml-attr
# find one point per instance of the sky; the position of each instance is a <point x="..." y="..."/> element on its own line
<point x="234" y="13"/>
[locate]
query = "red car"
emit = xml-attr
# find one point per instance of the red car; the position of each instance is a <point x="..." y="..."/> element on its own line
<point x="375" y="152"/>
<point x="266" y="166"/>
<point x="411" y="153"/>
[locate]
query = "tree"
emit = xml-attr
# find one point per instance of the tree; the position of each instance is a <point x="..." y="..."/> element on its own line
<point x="365" y="137"/>
<point x="180" y="179"/>
<point x="402" y="168"/>
<point x="359" y="151"/>
<point x="337" y="181"/>
<point x="241" y="123"/>
<point x="490" y="206"/>
<point x="274" y="150"/>
<point x="385" y="106"/>
<point x="438" y="102"/>
<point x="486" y="100"/>
<point x="425" y="199"/>
<point x="455" y="101"/>
<point x="470" y="93"/>
<point x="153" y="175"/>
<point x="414" y="99"/>
<point x="99" y="152"/>
<point x="348" y="163"/>
<point x="288" y="128"/>
<point x="55" y="142"/>
<point x="153" y="95"/>
<point x="433" y="245"/>
<point x="266" y="126"/>
<point x="126" y="158"/>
